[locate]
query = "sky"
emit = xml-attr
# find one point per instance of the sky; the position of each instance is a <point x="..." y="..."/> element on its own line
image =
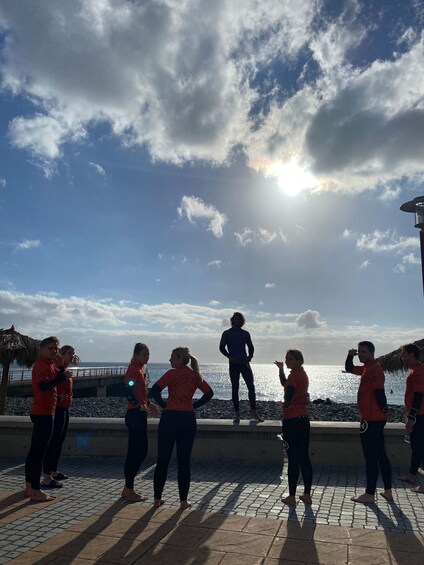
<point x="164" y="163"/>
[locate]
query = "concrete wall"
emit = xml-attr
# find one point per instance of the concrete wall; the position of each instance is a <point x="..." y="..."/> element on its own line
<point x="332" y="443"/>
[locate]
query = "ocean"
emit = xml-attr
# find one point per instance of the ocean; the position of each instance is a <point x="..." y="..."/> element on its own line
<point x="325" y="381"/>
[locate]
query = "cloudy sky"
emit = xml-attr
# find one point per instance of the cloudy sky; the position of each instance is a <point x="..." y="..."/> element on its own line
<point x="164" y="163"/>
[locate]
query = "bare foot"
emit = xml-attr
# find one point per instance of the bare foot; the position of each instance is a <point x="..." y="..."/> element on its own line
<point x="255" y="416"/>
<point x="132" y="496"/>
<point x="289" y="500"/>
<point x="411" y="479"/>
<point x="40" y="496"/>
<point x="158" y="502"/>
<point x="364" y="498"/>
<point x="387" y="494"/>
<point x="28" y="490"/>
<point x="184" y="505"/>
<point x="419" y="489"/>
<point x="236" y="419"/>
<point x="306" y="498"/>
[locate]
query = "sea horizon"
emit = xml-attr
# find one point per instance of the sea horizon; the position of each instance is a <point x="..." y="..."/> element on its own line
<point x="325" y="381"/>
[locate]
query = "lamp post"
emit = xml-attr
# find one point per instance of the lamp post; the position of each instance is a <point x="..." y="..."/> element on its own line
<point x="416" y="206"/>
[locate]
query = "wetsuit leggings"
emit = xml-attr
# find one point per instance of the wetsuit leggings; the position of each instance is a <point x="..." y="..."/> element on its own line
<point x="136" y="422"/>
<point x="372" y="440"/>
<point x="175" y="427"/>
<point x="247" y="374"/>
<point x="296" y="435"/>
<point x="417" y="445"/>
<point x="41" y="432"/>
<point x="54" y="449"/>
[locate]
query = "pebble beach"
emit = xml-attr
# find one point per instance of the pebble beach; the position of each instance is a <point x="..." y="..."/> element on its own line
<point x="115" y="407"/>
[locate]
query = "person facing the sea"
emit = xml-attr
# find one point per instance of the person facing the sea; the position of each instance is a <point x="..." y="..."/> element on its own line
<point x="178" y="420"/>
<point x="233" y="346"/>
<point x="372" y="406"/>
<point x="52" y="476"/>
<point x="296" y="425"/>
<point x="414" y="405"/>
<point x="136" y="420"/>
<point x="45" y="377"/>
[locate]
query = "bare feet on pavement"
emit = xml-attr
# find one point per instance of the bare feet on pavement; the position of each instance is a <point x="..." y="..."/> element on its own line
<point x="132" y="496"/>
<point x="364" y="498"/>
<point x="289" y="500"/>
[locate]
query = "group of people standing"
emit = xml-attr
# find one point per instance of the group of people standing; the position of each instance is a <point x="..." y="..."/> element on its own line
<point x="52" y="393"/>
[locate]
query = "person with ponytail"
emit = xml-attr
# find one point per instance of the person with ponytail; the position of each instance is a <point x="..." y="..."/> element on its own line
<point x="178" y="421"/>
<point x="52" y="476"/>
<point x="136" y="420"/>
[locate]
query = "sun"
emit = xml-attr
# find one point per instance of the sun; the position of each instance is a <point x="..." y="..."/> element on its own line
<point x="292" y="178"/>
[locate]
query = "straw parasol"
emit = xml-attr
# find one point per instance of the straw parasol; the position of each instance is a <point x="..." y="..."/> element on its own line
<point x="15" y="347"/>
<point x="392" y="362"/>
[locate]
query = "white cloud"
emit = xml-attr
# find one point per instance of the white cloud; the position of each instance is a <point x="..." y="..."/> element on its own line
<point x="178" y="78"/>
<point x="309" y="320"/>
<point x="364" y="265"/>
<point x="216" y="263"/>
<point x="106" y="330"/>
<point x="262" y="236"/>
<point x="214" y="303"/>
<point x="346" y="233"/>
<point x="389" y="194"/>
<point x="270" y="285"/>
<point x="28" y="244"/>
<point x="385" y="241"/>
<point x="407" y="261"/>
<point x="98" y="168"/>
<point x="2" y="182"/>
<point x="194" y="208"/>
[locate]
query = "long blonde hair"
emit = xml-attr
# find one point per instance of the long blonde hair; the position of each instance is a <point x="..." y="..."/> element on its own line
<point x="186" y="357"/>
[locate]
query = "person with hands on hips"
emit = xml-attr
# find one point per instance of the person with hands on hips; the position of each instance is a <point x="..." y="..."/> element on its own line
<point x="296" y="425"/>
<point x="178" y="420"/>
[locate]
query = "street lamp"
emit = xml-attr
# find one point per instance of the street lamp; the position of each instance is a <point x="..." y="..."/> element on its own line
<point x="416" y="206"/>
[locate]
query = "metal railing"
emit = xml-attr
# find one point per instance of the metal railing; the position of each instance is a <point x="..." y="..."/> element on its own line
<point x="16" y="375"/>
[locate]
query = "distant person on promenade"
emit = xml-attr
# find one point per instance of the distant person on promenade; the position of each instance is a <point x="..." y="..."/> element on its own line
<point x="136" y="420"/>
<point x="45" y="377"/>
<point x="372" y="406"/>
<point x="296" y="425"/>
<point x="178" y="420"/>
<point x="233" y="346"/>
<point x="414" y="404"/>
<point x="52" y="476"/>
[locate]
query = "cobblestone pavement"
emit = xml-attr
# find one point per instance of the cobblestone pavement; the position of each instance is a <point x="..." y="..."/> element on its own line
<point x="218" y="488"/>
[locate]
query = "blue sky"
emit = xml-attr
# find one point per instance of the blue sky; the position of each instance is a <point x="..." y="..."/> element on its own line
<point x="164" y="163"/>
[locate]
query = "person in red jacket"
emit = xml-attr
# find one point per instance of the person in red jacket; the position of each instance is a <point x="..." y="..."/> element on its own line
<point x="414" y="405"/>
<point x="45" y="377"/>
<point x="136" y="420"/>
<point x="296" y="425"/>
<point x="372" y="406"/>
<point x="178" y="420"/>
<point x="52" y="476"/>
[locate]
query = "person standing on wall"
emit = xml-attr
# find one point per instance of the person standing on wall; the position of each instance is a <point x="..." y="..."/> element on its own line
<point x="233" y="344"/>
<point x="372" y="406"/>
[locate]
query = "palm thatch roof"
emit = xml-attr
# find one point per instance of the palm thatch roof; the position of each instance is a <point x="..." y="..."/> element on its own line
<point x="17" y="347"/>
<point x="392" y="362"/>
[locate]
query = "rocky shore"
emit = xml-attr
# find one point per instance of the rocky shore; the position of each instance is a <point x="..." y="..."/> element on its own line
<point x="115" y="407"/>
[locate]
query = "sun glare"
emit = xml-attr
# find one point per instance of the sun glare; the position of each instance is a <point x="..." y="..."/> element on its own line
<point x="292" y="178"/>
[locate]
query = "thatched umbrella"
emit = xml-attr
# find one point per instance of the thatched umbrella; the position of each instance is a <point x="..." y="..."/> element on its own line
<point x="15" y="347"/>
<point x="392" y="362"/>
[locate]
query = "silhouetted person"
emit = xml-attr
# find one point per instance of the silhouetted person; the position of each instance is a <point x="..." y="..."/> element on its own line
<point x="234" y="342"/>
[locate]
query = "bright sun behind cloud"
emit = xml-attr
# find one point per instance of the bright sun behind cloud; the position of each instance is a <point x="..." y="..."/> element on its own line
<point x="292" y="178"/>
